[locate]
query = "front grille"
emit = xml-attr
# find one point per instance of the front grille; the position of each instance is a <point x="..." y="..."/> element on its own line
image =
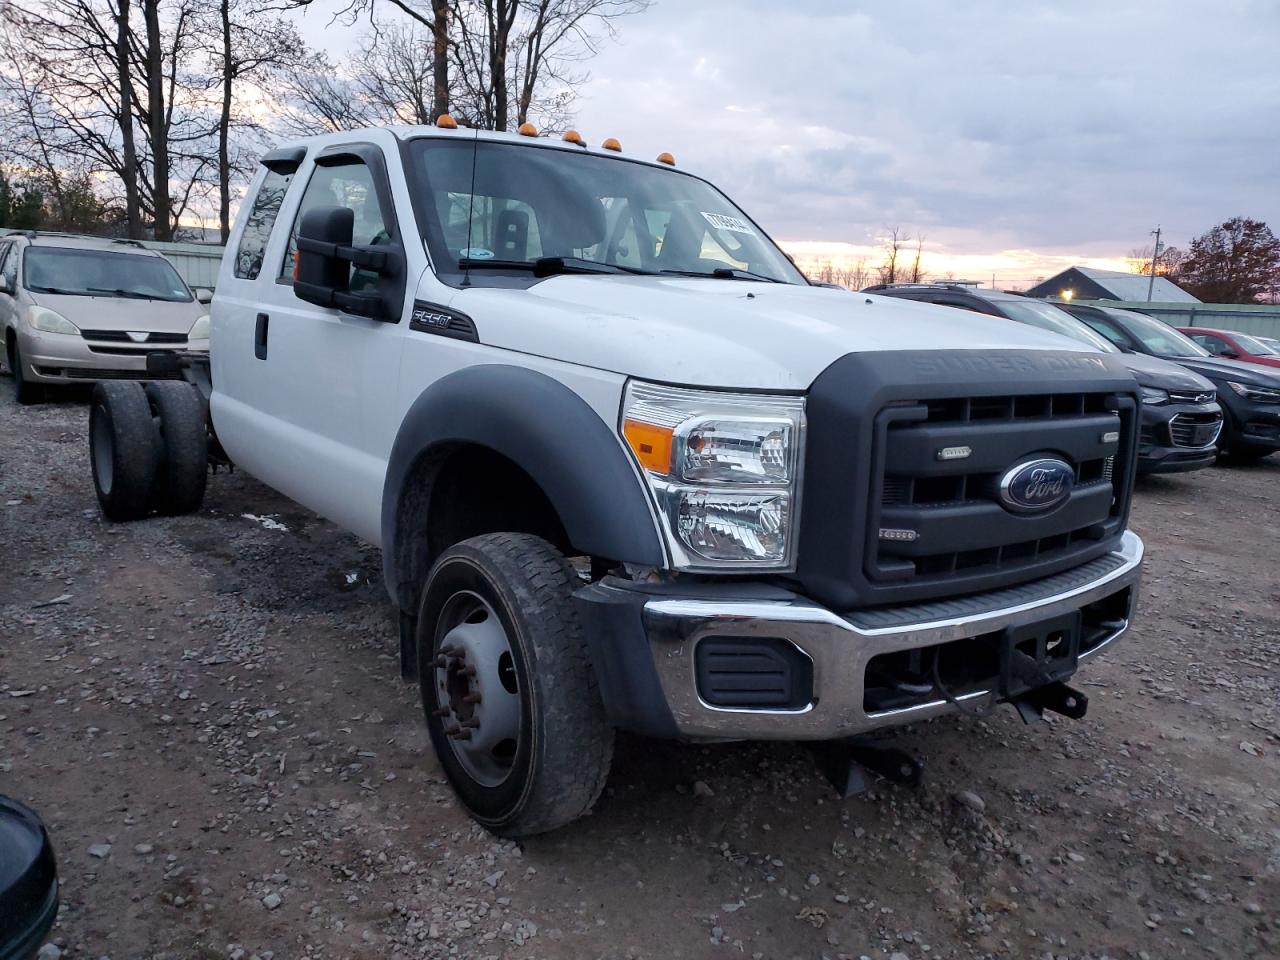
<point x="1195" y="429"/>
<point x="94" y="373"/>
<point x="122" y="336"/>
<point x="939" y="463"/>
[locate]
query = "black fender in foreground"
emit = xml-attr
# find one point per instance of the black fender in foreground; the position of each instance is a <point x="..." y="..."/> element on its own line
<point x="544" y="428"/>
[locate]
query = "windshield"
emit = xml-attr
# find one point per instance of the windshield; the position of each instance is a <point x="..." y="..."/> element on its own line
<point x="1048" y="317"/>
<point x="1160" y="338"/>
<point x="531" y="204"/>
<point x="1252" y="345"/>
<point x="102" y="273"/>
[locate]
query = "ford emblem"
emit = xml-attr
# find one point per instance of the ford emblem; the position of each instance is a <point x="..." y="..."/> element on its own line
<point x="1036" y="485"/>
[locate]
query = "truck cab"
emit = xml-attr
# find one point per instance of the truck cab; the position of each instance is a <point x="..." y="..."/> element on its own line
<point x="628" y="469"/>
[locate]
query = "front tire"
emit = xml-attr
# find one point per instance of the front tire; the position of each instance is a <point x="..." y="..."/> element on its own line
<point x="510" y="697"/>
<point x="24" y="390"/>
<point x="124" y="449"/>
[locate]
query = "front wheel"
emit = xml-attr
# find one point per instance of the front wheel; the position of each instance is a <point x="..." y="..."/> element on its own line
<point x="510" y="697"/>
<point x="25" y="391"/>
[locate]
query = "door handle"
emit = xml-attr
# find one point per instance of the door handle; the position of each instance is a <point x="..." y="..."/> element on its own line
<point x="260" y="337"/>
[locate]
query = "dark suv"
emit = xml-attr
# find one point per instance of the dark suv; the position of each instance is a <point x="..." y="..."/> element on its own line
<point x="1249" y="393"/>
<point x="1180" y="417"/>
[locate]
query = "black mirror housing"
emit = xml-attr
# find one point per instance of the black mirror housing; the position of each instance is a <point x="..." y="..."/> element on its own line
<point x="322" y="273"/>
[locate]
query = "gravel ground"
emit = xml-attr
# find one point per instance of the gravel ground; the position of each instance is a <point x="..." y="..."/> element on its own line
<point x="208" y="713"/>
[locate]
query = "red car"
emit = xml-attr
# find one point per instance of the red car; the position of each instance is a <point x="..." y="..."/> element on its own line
<point x="1233" y="346"/>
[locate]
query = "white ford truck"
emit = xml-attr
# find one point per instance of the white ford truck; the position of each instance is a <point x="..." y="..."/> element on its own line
<point x="629" y="470"/>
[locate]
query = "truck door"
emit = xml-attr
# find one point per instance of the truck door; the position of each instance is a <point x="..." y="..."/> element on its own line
<point x="322" y="380"/>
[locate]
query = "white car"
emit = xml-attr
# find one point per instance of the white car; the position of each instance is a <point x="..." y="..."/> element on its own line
<point x="628" y="469"/>
<point x="75" y="309"/>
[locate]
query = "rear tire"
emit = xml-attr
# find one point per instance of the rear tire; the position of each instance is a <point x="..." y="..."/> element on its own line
<point x="24" y="390"/>
<point x="510" y="697"/>
<point x="184" y="446"/>
<point x="124" y="449"/>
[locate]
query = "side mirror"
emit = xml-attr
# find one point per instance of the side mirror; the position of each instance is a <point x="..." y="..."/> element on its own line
<point x="325" y="256"/>
<point x="5" y="286"/>
<point x="203" y="295"/>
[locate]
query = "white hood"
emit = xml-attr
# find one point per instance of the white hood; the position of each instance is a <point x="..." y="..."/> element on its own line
<point x="724" y="333"/>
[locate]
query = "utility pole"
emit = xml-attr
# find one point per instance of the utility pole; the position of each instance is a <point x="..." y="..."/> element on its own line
<point x="1155" y="258"/>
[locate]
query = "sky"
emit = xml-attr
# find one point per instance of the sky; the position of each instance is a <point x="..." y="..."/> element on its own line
<point x="1018" y="138"/>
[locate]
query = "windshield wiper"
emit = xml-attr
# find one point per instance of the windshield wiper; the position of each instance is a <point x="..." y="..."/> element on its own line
<point x="549" y="266"/>
<point x="724" y="273"/>
<point x="121" y="292"/>
<point x="59" y="291"/>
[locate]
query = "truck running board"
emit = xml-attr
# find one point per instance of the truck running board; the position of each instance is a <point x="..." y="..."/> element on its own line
<point x="847" y="763"/>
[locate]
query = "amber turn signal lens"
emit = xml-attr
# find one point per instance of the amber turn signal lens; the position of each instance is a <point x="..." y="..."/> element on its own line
<point x="446" y="122"/>
<point x="650" y="444"/>
<point x="527" y="130"/>
<point x="612" y="144"/>
<point x="667" y="158"/>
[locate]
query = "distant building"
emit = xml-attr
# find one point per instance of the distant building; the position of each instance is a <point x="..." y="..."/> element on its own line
<point x="1086" y="283"/>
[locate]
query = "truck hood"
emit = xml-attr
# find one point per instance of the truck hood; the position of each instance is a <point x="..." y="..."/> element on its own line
<point x="1163" y="374"/>
<point x="124" y="313"/>
<point x="1217" y="369"/>
<point x="724" y="333"/>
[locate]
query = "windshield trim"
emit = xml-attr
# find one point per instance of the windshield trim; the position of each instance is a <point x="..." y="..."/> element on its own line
<point x="451" y="275"/>
<point x="95" y="293"/>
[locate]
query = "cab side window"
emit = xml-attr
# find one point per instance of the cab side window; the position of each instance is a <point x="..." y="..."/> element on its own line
<point x="343" y="185"/>
<point x="258" y="226"/>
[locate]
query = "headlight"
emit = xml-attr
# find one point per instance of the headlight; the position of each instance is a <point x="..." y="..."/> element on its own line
<point x="724" y="469"/>
<point x="1260" y="394"/>
<point x="1154" y="397"/>
<point x="44" y="319"/>
<point x="200" y="329"/>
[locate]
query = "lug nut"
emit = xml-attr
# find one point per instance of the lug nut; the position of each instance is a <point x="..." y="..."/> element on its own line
<point x="451" y="651"/>
<point x="440" y="663"/>
<point x="472" y="724"/>
<point x="467" y="671"/>
<point x="442" y="711"/>
<point x="471" y="698"/>
<point x="461" y="735"/>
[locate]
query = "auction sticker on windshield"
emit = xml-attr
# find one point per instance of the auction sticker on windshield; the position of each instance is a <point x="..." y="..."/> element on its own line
<point x="722" y="222"/>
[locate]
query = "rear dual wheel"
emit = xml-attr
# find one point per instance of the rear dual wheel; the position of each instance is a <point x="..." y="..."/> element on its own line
<point x="148" y="447"/>
<point x="507" y="686"/>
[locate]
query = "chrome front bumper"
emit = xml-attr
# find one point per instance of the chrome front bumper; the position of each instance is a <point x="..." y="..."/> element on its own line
<point x="840" y="647"/>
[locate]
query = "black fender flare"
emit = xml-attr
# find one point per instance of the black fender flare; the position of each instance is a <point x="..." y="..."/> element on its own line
<point x="549" y="432"/>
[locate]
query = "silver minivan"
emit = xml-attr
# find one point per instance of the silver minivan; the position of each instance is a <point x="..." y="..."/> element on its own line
<point x="77" y="309"/>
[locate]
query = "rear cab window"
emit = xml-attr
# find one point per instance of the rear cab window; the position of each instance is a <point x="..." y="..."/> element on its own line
<point x="259" y="224"/>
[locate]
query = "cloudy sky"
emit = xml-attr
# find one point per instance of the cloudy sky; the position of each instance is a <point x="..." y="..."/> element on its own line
<point x="1017" y="137"/>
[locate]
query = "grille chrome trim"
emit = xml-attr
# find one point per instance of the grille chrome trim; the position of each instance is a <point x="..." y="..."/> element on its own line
<point x="1195" y="431"/>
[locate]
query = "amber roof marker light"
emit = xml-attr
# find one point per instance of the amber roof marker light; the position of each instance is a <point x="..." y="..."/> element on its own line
<point x="573" y="136"/>
<point x="446" y="122"/>
<point x="612" y="144"/>
<point x="667" y="158"/>
<point x="527" y="129"/>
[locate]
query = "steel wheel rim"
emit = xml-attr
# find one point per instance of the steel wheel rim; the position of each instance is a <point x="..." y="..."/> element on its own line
<point x="103" y="458"/>
<point x="477" y="688"/>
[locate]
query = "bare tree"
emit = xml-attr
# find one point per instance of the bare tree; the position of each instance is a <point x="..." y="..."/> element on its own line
<point x="892" y="243"/>
<point x="916" y="274"/>
<point x="505" y="61"/>
<point x="250" y="42"/>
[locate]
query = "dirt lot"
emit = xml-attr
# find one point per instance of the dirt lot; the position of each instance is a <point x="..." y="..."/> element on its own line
<point x="216" y="698"/>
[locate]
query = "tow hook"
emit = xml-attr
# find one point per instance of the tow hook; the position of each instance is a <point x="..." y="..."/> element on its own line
<point x="847" y="763"/>
<point x="1057" y="697"/>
